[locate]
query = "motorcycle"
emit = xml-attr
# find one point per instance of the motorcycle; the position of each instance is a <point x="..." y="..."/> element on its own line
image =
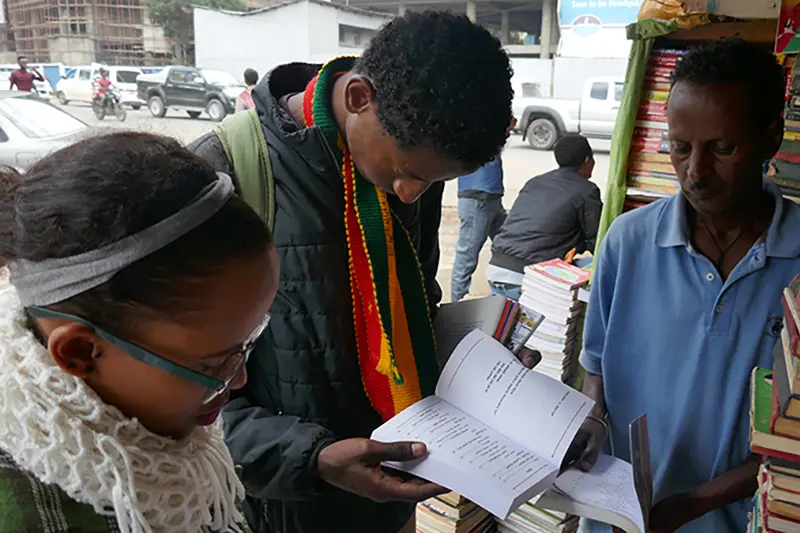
<point x="109" y="104"/>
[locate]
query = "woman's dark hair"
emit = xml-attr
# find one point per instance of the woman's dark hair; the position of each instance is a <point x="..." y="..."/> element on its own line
<point x="250" y="77"/>
<point x="103" y="189"/>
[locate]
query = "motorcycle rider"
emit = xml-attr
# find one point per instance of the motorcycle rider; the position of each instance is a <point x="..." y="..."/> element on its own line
<point x="102" y="84"/>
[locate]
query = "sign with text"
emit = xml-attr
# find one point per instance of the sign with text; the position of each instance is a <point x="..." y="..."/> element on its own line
<point x="598" y="12"/>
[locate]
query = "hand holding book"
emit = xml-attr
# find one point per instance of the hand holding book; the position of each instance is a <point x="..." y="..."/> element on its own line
<point x="354" y="465"/>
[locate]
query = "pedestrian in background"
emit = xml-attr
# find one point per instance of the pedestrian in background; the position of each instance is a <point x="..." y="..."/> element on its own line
<point x="24" y="78"/>
<point x="553" y="214"/>
<point x="481" y="213"/>
<point x="245" y="100"/>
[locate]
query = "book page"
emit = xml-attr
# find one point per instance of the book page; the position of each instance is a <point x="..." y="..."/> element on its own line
<point x="609" y="486"/>
<point x="483" y="379"/>
<point x="467" y="457"/>
<point x="457" y="320"/>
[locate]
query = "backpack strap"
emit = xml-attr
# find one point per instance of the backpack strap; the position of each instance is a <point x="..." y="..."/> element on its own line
<point x="242" y="137"/>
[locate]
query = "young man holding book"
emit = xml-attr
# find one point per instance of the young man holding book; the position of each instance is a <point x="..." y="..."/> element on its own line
<point x="353" y="147"/>
<point x="686" y="298"/>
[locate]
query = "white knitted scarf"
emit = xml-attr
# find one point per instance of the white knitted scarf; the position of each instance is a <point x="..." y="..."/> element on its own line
<point x="58" y="429"/>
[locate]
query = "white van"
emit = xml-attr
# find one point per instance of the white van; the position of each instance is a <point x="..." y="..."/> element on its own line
<point x="77" y="86"/>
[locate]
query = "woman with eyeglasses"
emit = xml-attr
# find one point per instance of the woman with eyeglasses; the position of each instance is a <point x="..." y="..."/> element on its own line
<point x="139" y="284"/>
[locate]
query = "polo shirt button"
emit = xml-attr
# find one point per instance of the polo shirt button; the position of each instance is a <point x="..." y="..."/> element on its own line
<point x="710" y="276"/>
<point x="719" y="308"/>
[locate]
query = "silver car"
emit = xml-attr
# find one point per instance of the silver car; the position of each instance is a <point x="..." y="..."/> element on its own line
<point x="31" y="128"/>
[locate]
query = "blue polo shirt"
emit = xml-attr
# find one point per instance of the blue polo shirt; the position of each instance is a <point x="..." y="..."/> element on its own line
<point x="672" y="340"/>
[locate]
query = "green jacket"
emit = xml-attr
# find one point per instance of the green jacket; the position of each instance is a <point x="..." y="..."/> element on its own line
<point x="29" y="506"/>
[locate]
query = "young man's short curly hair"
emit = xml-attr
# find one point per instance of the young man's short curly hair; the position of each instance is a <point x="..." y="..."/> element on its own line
<point x="442" y="82"/>
<point x="734" y="61"/>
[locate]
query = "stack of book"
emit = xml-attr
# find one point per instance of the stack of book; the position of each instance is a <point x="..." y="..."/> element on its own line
<point x="531" y="519"/>
<point x="452" y="513"/>
<point x="784" y="169"/>
<point x="552" y="289"/>
<point x="775" y="429"/>
<point x="650" y="172"/>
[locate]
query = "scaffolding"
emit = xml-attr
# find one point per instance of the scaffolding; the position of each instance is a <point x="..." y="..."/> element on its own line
<point x="106" y="31"/>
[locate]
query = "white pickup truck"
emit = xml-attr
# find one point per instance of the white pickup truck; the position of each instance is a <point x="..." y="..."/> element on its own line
<point x="543" y="121"/>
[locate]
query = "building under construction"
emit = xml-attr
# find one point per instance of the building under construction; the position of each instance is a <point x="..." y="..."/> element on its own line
<point x="77" y="32"/>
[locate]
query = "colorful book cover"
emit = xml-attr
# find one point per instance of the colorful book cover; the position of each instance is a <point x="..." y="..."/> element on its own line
<point x="787" y="40"/>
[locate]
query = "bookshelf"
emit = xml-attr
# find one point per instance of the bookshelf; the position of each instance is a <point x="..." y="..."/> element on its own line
<point x="640" y="169"/>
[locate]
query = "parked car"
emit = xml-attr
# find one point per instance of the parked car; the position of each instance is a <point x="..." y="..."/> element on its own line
<point x="31" y="128"/>
<point x="191" y="90"/>
<point x="76" y="86"/>
<point x="543" y="121"/>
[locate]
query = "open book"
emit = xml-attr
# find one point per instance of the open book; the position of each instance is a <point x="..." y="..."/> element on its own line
<point x="496" y="432"/>
<point x="614" y="492"/>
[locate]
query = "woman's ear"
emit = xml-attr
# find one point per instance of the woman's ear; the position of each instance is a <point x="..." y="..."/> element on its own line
<point x="74" y="348"/>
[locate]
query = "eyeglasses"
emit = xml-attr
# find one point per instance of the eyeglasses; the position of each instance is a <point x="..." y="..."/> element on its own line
<point x="217" y="382"/>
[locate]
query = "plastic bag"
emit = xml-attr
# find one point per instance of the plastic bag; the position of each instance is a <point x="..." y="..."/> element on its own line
<point x="661" y="9"/>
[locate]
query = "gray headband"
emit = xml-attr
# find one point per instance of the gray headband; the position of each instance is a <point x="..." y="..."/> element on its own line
<point x="55" y="280"/>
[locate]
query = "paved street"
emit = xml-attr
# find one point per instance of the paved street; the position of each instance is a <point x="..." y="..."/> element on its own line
<point x="519" y="164"/>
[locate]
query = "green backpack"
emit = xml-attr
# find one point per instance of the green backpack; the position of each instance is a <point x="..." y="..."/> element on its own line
<point x="242" y="137"/>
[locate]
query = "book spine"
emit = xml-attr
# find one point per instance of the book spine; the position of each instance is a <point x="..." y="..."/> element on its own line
<point x="790" y="316"/>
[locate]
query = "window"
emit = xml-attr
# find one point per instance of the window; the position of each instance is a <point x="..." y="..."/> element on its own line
<point x="177" y="76"/>
<point x="127" y="76"/>
<point x="599" y="91"/>
<point x="37" y="119"/>
<point x="84" y="75"/>
<point x="618" y="91"/>
<point x="354" y="36"/>
<point x="218" y="77"/>
<point x="71" y="75"/>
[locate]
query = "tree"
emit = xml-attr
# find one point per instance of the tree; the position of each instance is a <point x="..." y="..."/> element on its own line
<point x="175" y="16"/>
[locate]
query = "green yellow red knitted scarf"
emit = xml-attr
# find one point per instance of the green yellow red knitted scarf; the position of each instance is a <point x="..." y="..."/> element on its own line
<point x="391" y="314"/>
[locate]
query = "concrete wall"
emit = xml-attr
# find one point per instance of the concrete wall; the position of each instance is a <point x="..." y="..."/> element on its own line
<point x="531" y="70"/>
<point x="71" y="49"/>
<point x="570" y="73"/>
<point x="323" y="23"/>
<point x="303" y="31"/>
<point x="261" y="41"/>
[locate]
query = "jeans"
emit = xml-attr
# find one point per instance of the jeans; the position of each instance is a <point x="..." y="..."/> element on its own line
<point x="512" y="292"/>
<point x="480" y="219"/>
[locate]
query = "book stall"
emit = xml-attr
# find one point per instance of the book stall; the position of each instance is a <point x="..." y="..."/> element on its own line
<point x="640" y="173"/>
<point x="775" y="429"/>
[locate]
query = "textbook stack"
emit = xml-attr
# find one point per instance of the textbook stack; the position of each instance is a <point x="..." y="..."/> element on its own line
<point x="784" y="169"/>
<point x="650" y="172"/>
<point x="552" y="289"/>
<point x="452" y="513"/>
<point x="775" y="429"/>
<point x="531" y="519"/>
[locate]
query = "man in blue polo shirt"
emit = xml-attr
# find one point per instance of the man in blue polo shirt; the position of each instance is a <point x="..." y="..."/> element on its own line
<point x="686" y="295"/>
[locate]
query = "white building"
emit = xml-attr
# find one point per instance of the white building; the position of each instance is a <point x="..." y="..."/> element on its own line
<point x="313" y="31"/>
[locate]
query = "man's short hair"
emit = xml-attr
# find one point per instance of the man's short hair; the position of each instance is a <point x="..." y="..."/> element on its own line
<point x="572" y="150"/>
<point x="20" y="58"/>
<point x="734" y="61"/>
<point x="250" y="77"/>
<point x="442" y="82"/>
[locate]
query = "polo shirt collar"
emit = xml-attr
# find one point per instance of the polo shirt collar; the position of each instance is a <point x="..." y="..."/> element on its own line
<point x="781" y="239"/>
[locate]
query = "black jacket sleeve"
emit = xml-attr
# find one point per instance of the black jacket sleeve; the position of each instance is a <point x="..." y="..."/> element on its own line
<point x="430" y="218"/>
<point x="589" y="216"/>
<point x="277" y="455"/>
